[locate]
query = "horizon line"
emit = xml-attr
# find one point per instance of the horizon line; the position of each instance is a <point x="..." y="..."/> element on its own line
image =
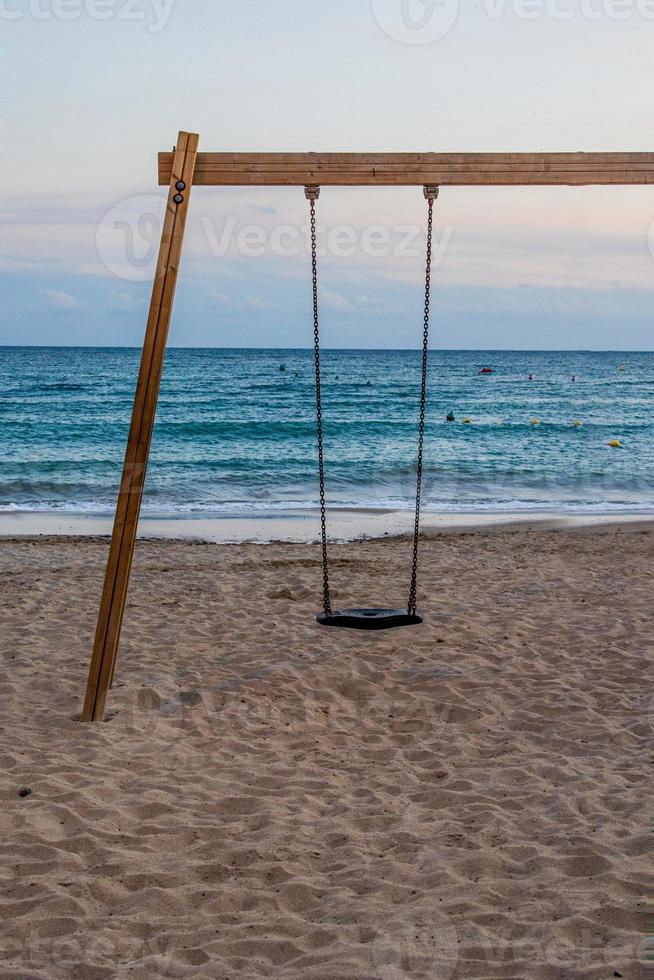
<point x="379" y="350"/>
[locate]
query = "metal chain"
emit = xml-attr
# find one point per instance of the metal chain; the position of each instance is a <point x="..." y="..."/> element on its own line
<point x="431" y="193"/>
<point x="312" y="193"/>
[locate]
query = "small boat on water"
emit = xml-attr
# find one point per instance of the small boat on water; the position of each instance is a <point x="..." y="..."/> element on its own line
<point x="485" y="370"/>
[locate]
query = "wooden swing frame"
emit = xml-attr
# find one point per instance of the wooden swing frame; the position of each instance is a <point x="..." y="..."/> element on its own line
<point x="183" y="168"/>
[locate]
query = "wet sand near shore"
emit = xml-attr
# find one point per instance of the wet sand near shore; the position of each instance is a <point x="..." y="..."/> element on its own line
<point x="294" y="526"/>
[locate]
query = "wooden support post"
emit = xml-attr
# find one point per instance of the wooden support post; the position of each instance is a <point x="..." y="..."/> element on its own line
<point x="128" y="508"/>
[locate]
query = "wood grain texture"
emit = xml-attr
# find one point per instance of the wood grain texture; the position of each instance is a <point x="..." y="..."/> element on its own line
<point x="128" y="508"/>
<point x="396" y="169"/>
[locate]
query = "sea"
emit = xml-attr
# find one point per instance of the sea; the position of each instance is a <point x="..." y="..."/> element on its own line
<point x="235" y="434"/>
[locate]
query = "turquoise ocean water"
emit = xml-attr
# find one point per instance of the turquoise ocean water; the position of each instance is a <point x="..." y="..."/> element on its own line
<point x="235" y="432"/>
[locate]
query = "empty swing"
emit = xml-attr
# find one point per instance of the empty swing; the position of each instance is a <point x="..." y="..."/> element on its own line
<point x="370" y="619"/>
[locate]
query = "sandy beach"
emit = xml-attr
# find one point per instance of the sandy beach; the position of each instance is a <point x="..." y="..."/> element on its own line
<point x="266" y="798"/>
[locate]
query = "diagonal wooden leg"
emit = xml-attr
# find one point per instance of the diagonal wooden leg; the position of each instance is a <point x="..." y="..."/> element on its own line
<point x="128" y="508"/>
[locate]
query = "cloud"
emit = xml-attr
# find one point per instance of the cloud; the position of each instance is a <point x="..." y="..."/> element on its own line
<point x="252" y="302"/>
<point x="334" y="301"/>
<point x="372" y="305"/>
<point x="259" y="303"/>
<point x="378" y="304"/>
<point x="534" y="301"/>
<point x="224" y="300"/>
<point x="59" y="300"/>
<point x="124" y="302"/>
<point x="261" y="209"/>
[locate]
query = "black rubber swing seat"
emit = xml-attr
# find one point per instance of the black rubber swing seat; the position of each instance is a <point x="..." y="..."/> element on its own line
<point x="369" y="619"/>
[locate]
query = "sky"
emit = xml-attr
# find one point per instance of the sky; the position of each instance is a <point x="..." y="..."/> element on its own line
<point x="91" y="90"/>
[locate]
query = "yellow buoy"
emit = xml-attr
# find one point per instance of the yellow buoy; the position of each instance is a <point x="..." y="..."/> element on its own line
<point x="535" y="421"/>
<point x="622" y="368"/>
<point x="467" y="421"/>
<point x="615" y="444"/>
<point x="578" y="423"/>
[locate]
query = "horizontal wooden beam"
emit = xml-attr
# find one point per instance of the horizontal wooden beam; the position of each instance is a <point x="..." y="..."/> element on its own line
<point x="396" y="169"/>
